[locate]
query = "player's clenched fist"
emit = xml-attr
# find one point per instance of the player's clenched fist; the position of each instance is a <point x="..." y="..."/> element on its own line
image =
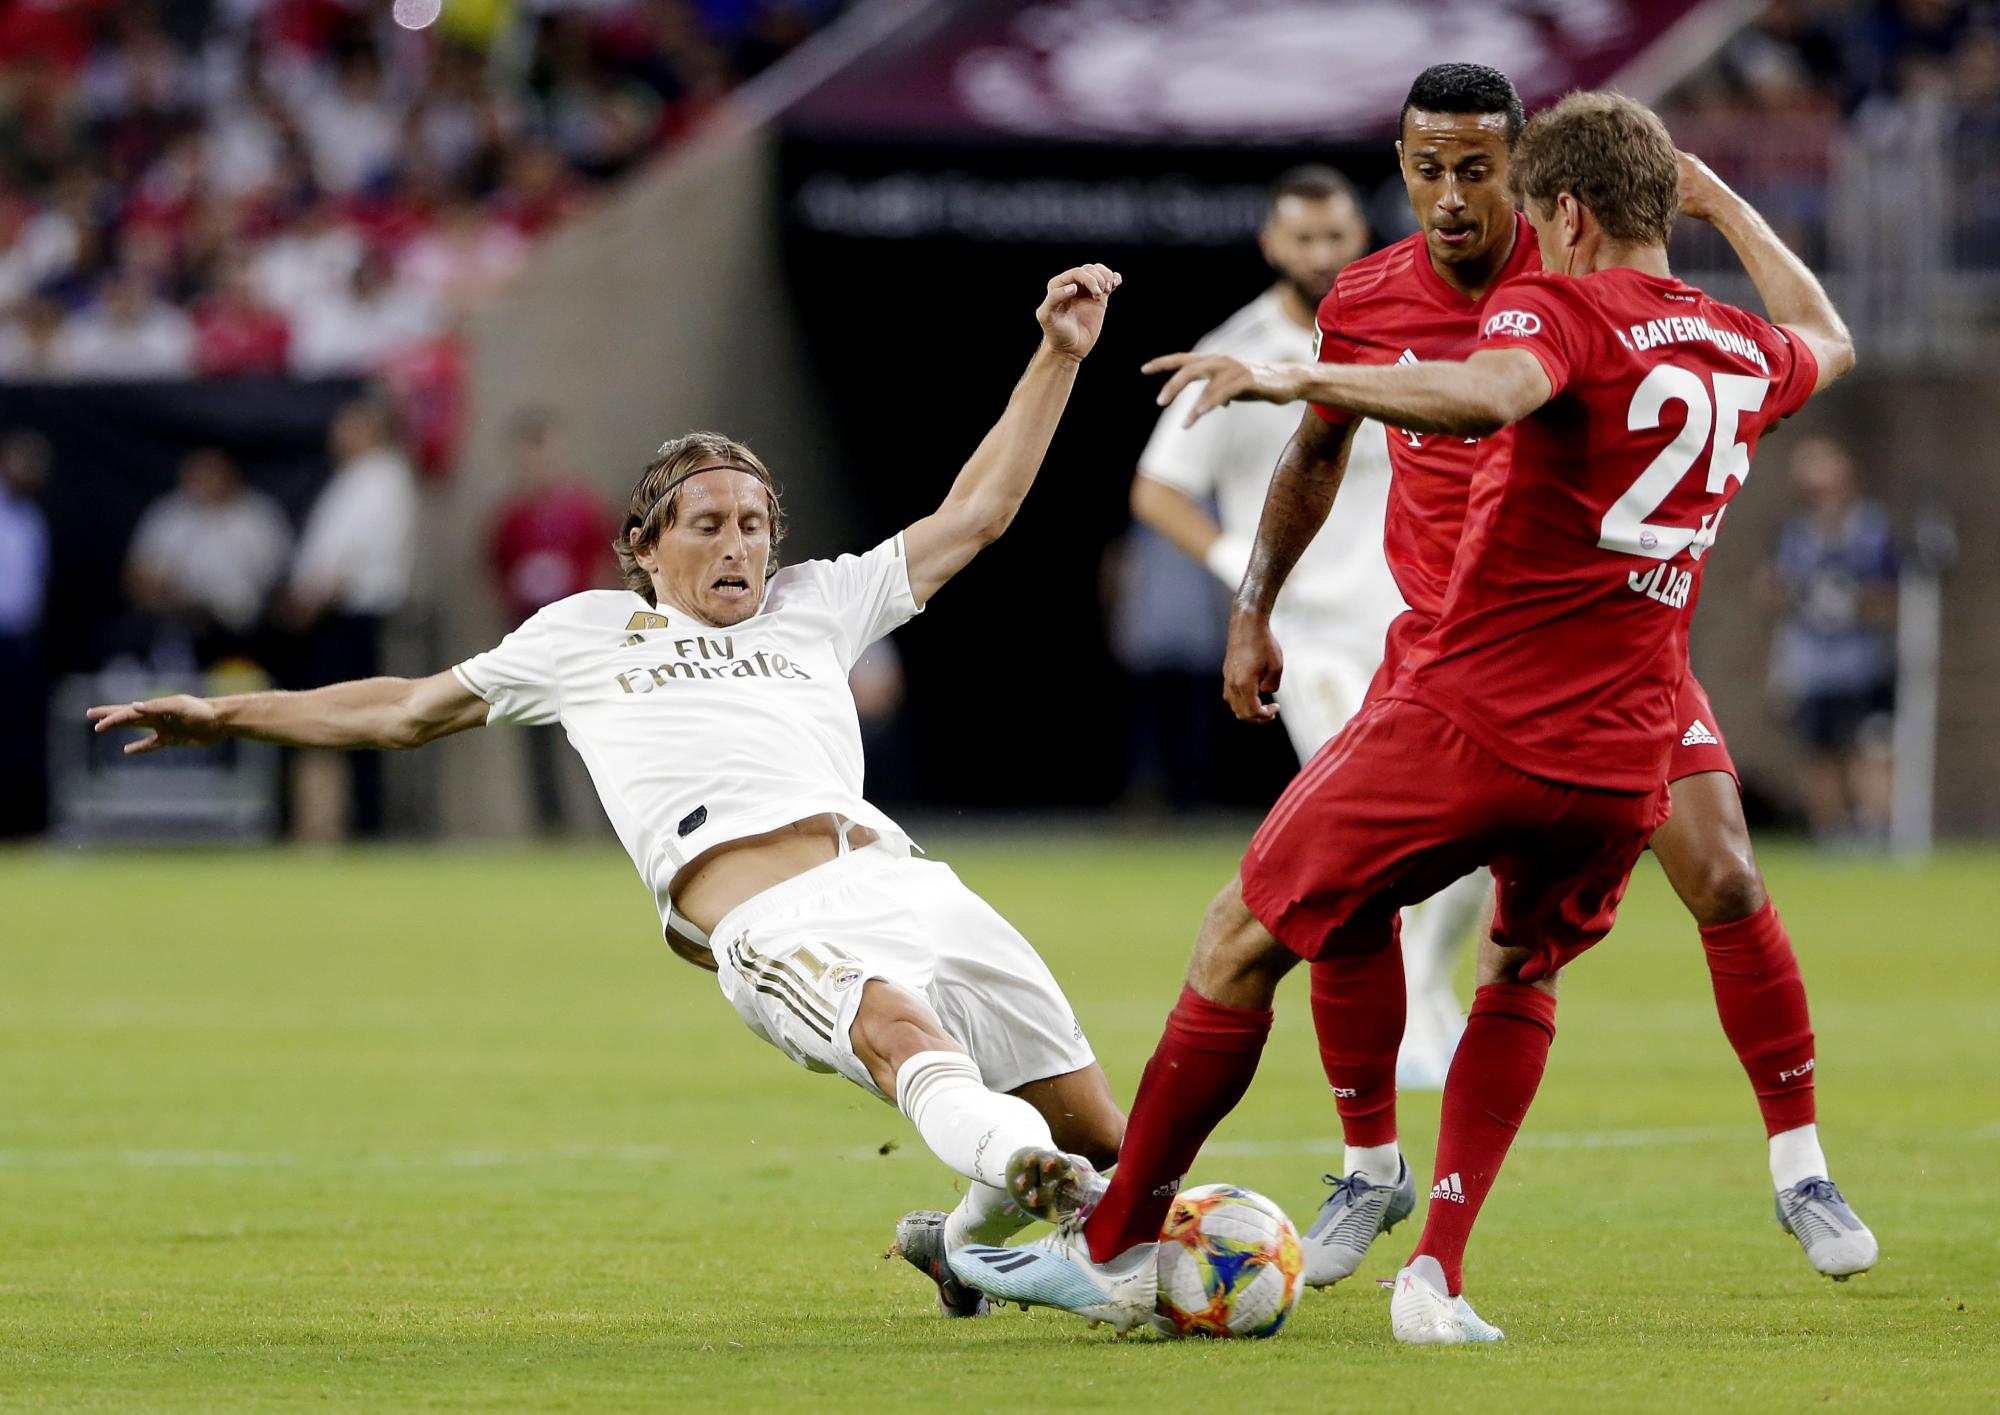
<point x="1226" y="380"/>
<point x="1701" y="193"/>
<point x="1072" y="313"/>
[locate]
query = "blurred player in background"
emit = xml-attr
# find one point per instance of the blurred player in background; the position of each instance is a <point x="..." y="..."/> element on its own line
<point x="710" y="700"/>
<point x="1340" y="598"/>
<point x="1530" y="729"/>
<point x="1416" y="301"/>
<point x="546" y="544"/>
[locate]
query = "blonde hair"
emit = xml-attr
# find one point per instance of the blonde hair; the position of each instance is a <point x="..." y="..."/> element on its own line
<point x="650" y="509"/>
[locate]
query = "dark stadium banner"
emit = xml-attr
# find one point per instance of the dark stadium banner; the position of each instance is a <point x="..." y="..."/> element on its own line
<point x="1249" y="71"/>
<point x="116" y="447"/>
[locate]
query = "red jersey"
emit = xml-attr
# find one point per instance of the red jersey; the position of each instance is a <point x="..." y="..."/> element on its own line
<point x="1393" y="307"/>
<point x="548" y="545"/>
<point x="1563" y="640"/>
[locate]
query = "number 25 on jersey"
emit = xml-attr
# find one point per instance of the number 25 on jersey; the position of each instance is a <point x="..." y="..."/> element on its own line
<point x="1625" y="526"/>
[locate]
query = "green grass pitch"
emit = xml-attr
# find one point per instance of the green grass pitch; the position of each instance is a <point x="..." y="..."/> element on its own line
<point x="452" y="1130"/>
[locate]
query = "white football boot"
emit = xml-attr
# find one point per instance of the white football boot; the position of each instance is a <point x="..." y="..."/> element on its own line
<point x="1423" y="1313"/>
<point x="1057" y="1271"/>
<point x="1836" y="1241"/>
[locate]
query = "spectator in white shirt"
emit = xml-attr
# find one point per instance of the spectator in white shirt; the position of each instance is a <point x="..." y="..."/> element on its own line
<point x="352" y="572"/>
<point x="130" y="333"/>
<point x="312" y="260"/>
<point x="352" y="125"/>
<point x="357" y="328"/>
<point x="207" y="556"/>
<point x="463" y="255"/>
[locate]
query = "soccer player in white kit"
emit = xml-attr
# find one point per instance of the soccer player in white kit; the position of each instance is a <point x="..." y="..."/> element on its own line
<point x="1336" y="606"/>
<point x="710" y="701"/>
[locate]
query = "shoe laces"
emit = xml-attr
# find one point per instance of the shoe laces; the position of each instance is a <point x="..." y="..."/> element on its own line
<point x="1822" y="1191"/>
<point x="1347" y="1186"/>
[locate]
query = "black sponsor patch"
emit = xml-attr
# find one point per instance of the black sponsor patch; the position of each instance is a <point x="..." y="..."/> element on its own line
<point x="694" y="820"/>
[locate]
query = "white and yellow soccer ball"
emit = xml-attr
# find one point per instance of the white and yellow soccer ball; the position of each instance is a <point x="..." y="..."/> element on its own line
<point x="1230" y="1264"/>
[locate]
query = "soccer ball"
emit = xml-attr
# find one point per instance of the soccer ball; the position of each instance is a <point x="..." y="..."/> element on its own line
<point x="1230" y="1264"/>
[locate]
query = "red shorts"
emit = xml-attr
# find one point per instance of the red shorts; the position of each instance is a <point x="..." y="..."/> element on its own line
<point x="1402" y="803"/>
<point x="1699" y="747"/>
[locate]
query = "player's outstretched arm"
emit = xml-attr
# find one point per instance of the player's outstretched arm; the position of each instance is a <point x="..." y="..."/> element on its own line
<point x="1473" y="398"/>
<point x="995" y="480"/>
<point x="1792" y="294"/>
<point x="389" y="713"/>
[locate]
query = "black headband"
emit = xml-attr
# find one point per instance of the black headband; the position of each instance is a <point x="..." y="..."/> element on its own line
<point x="671" y="486"/>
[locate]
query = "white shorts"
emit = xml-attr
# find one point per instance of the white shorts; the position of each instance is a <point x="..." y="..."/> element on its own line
<point x="792" y="962"/>
<point x="1322" y="687"/>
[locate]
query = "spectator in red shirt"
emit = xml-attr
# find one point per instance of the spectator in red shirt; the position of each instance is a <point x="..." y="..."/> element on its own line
<point x="548" y="543"/>
<point x="235" y="333"/>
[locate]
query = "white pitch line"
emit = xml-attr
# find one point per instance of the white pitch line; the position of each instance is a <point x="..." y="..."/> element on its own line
<point x="667" y="1154"/>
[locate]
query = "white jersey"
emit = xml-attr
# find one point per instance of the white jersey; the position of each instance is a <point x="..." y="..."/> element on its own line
<point x="1340" y="594"/>
<point x="697" y="736"/>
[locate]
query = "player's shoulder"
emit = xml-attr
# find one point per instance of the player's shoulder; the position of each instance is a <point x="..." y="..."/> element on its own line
<point x="1253" y="325"/>
<point x="1539" y="284"/>
<point x="827" y="577"/>
<point x="1383" y="274"/>
<point x="594" y="609"/>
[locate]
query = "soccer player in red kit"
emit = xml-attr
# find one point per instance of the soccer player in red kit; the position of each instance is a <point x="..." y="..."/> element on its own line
<point x="1416" y="301"/>
<point x="1530" y="728"/>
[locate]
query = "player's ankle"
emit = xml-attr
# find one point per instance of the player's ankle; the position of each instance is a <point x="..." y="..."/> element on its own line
<point x="1378" y="1164"/>
<point x="1796" y="1156"/>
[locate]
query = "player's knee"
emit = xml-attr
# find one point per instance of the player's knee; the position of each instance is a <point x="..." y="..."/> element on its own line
<point x="891" y="1026"/>
<point x="1236" y="960"/>
<point x="1728" y="887"/>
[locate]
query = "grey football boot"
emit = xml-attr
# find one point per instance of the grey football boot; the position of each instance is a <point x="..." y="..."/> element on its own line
<point x="920" y="1243"/>
<point x="1837" y="1243"/>
<point x="1350" y="1218"/>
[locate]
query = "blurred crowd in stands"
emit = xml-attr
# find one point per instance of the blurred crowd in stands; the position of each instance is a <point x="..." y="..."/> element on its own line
<point x="1889" y="77"/>
<point x="216" y="187"/>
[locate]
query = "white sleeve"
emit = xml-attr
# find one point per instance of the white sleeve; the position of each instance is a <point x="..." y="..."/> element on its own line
<point x="517" y="677"/>
<point x="1186" y="458"/>
<point x="869" y="595"/>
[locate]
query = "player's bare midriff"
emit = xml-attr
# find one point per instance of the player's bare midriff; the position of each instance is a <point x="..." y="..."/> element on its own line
<point x="718" y="880"/>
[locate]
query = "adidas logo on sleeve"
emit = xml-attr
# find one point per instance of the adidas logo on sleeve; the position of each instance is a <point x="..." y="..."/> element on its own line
<point x="1449" y="1189"/>
<point x="1698" y="735"/>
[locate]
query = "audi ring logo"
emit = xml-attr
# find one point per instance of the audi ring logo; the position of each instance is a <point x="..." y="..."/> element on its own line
<point x="1516" y="322"/>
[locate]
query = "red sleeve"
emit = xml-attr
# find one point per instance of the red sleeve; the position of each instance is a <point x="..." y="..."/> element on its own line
<point x="1794" y="373"/>
<point x="1539" y="316"/>
<point x="1331" y="346"/>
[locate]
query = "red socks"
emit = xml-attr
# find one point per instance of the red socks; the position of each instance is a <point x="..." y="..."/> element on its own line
<point x="1492" y="1083"/>
<point x="1199" y="1072"/>
<point x="1358" y="1007"/>
<point x="1762" y="1002"/>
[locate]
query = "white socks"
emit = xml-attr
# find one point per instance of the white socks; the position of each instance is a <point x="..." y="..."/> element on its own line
<point x="1379" y="1164"/>
<point x="985" y="1215"/>
<point x="1795" y="1155"/>
<point x="973" y="1130"/>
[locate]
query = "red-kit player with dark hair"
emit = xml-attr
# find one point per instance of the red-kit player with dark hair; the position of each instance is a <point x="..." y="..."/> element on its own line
<point x="1530" y="729"/>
